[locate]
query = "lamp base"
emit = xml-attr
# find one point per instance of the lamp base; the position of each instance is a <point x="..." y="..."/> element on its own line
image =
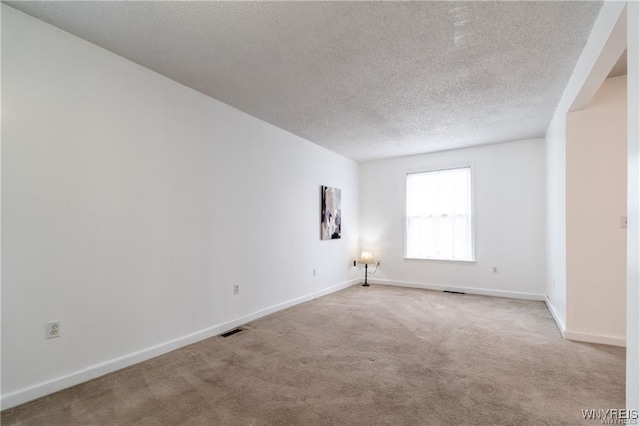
<point x="366" y="273"/>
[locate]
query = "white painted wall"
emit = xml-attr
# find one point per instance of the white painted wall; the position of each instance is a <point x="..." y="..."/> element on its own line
<point x="509" y="220"/>
<point x="1" y="174"/>
<point x="603" y="48"/>
<point x="132" y="204"/>
<point x="596" y="202"/>
<point x="555" y="215"/>
<point x="633" y="206"/>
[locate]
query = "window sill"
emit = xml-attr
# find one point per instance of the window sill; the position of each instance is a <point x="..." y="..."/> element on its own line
<point x="435" y="259"/>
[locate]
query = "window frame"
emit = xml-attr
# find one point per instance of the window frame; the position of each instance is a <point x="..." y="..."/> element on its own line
<point x="472" y="210"/>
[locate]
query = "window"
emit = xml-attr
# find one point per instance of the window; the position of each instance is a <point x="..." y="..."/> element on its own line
<point x="439" y="215"/>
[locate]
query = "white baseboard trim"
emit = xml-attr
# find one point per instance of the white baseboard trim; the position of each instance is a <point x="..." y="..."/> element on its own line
<point x="37" y="391"/>
<point x="580" y="336"/>
<point x="470" y="290"/>
<point x="554" y="314"/>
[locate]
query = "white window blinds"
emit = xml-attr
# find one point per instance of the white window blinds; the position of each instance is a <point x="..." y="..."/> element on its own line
<point x="439" y="215"/>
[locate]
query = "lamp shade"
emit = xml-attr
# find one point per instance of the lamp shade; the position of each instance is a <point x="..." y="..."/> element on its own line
<point x="366" y="258"/>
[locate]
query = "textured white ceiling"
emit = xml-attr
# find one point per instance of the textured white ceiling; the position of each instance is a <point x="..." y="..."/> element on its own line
<point x="620" y="68"/>
<point x="365" y="79"/>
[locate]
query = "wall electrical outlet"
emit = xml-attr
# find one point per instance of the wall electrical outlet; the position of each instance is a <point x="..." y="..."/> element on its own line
<point x="52" y="330"/>
<point x="236" y="289"/>
<point x="495" y="269"/>
<point x="314" y="272"/>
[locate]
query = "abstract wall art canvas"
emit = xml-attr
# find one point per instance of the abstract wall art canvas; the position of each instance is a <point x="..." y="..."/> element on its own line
<point x="331" y="214"/>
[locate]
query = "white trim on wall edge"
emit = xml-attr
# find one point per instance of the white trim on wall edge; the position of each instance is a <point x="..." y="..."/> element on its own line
<point x="580" y="336"/>
<point x="470" y="290"/>
<point x="554" y="314"/>
<point x="37" y="391"/>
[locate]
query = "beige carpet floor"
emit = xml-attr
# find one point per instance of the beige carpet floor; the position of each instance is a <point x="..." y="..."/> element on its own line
<point x="363" y="356"/>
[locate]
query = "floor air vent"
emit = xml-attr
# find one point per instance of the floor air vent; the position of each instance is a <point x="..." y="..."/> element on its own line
<point x="453" y="292"/>
<point x="231" y="333"/>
